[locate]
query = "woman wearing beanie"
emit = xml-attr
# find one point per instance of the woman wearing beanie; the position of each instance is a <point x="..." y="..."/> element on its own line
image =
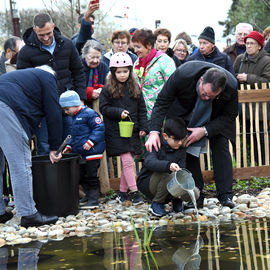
<point x="253" y="66"/>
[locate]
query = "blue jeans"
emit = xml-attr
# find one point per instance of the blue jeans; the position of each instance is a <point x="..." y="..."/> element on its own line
<point x="14" y="145"/>
<point x="42" y="134"/>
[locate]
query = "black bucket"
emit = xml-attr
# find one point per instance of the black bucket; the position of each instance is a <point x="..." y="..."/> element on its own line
<point x="56" y="186"/>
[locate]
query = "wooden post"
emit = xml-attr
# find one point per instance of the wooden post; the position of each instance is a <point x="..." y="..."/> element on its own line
<point x="103" y="169"/>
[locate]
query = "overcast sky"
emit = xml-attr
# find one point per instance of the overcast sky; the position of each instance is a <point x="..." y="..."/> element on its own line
<point x="176" y="15"/>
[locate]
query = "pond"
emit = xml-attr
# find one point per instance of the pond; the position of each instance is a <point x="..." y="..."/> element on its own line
<point x="243" y="245"/>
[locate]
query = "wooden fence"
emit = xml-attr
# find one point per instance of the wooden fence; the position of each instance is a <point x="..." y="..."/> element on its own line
<point x="251" y="154"/>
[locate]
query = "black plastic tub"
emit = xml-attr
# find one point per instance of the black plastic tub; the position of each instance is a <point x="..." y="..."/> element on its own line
<point x="56" y="186"/>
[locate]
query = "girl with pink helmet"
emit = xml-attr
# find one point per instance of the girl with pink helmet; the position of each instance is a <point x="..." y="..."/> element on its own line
<point x="121" y="100"/>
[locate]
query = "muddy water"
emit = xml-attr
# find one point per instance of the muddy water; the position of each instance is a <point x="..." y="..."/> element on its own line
<point x="227" y="246"/>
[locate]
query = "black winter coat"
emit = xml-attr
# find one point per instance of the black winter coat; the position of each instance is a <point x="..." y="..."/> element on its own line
<point x="65" y="61"/>
<point x="216" y="57"/>
<point x="159" y="162"/>
<point x="111" y="110"/>
<point x="182" y="86"/>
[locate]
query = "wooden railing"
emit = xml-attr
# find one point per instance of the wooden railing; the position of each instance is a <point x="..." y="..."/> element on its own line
<point x="251" y="154"/>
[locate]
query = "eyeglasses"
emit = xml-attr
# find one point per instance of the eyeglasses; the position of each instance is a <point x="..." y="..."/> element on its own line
<point x="122" y="43"/>
<point x="181" y="51"/>
<point x="251" y="43"/>
<point x="176" y="140"/>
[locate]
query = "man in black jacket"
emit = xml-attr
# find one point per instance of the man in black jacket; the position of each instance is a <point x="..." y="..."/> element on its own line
<point x="44" y="45"/>
<point x="193" y="85"/>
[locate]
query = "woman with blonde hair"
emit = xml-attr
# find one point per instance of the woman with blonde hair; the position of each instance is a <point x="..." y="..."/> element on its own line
<point x="180" y="49"/>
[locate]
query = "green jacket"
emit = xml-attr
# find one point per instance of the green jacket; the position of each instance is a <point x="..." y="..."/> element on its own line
<point x="154" y="77"/>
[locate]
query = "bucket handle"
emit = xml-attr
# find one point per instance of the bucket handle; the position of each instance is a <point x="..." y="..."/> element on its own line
<point x="129" y="118"/>
<point x="183" y="169"/>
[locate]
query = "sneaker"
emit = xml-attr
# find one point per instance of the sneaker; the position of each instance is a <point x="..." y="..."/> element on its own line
<point x="136" y="198"/>
<point x="83" y="200"/>
<point x="122" y="197"/>
<point x="90" y="204"/>
<point x="157" y="209"/>
<point x="177" y="205"/>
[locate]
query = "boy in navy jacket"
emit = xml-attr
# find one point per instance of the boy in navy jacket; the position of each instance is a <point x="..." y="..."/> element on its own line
<point x="157" y="167"/>
<point x="87" y="139"/>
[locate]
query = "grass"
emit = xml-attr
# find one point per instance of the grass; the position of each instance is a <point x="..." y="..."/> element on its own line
<point x="255" y="183"/>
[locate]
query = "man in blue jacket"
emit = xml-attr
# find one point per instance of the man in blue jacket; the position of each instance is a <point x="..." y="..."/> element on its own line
<point x="208" y="52"/>
<point x="25" y="97"/>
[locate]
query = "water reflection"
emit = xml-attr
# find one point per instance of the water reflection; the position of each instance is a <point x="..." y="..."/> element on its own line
<point x="27" y="257"/>
<point x="227" y="246"/>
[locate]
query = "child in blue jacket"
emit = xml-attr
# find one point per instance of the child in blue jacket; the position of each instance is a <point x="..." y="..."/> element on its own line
<point x="87" y="139"/>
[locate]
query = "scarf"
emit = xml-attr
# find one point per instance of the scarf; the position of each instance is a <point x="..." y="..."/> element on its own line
<point x="93" y="77"/>
<point x="144" y="62"/>
<point x="201" y="115"/>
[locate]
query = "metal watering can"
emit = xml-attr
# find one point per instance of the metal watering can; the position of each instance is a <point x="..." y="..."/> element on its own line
<point x="182" y="184"/>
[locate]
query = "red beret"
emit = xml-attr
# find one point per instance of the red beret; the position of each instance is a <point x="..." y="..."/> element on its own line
<point x="257" y="36"/>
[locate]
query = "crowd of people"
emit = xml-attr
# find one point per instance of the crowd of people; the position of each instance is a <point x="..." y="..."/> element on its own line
<point x="179" y="97"/>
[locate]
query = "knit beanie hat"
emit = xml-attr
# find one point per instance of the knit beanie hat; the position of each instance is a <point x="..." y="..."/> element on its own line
<point x="257" y="36"/>
<point x="69" y="99"/>
<point x="208" y="33"/>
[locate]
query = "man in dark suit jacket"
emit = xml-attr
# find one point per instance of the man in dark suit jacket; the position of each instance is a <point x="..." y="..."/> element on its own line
<point x="192" y="84"/>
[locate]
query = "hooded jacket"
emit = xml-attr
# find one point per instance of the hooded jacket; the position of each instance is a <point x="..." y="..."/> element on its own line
<point x="65" y="60"/>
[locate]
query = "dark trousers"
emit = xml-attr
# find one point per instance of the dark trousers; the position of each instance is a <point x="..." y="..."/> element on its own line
<point x="222" y="165"/>
<point x="89" y="174"/>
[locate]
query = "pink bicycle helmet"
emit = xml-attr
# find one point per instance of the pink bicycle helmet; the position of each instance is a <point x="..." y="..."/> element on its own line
<point x="120" y="59"/>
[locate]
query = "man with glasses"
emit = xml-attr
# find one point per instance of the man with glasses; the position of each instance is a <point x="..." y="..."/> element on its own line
<point x="120" y="43"/>
<point x="239" y="47"/>
<point x="11" y="48"/>
<point x="208" y="100"/>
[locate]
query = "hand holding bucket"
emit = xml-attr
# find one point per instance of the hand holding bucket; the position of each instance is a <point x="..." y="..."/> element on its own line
<point x="126" y="128"/>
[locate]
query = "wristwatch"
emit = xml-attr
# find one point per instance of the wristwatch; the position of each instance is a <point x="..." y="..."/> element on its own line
<point x="205" y="131"/>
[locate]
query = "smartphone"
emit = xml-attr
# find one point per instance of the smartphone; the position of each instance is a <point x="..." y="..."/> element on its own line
<point x="94" y="2"/>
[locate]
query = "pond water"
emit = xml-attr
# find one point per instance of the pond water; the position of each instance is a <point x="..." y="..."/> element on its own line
<point x="232" y="246"/>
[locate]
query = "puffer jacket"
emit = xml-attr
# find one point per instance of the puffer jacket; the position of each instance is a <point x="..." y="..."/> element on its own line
<point x="65" y="61"/>
<point x="87" y="126"/>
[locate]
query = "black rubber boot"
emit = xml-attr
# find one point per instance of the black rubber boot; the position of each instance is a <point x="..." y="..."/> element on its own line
<point x="92" y="194"/>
